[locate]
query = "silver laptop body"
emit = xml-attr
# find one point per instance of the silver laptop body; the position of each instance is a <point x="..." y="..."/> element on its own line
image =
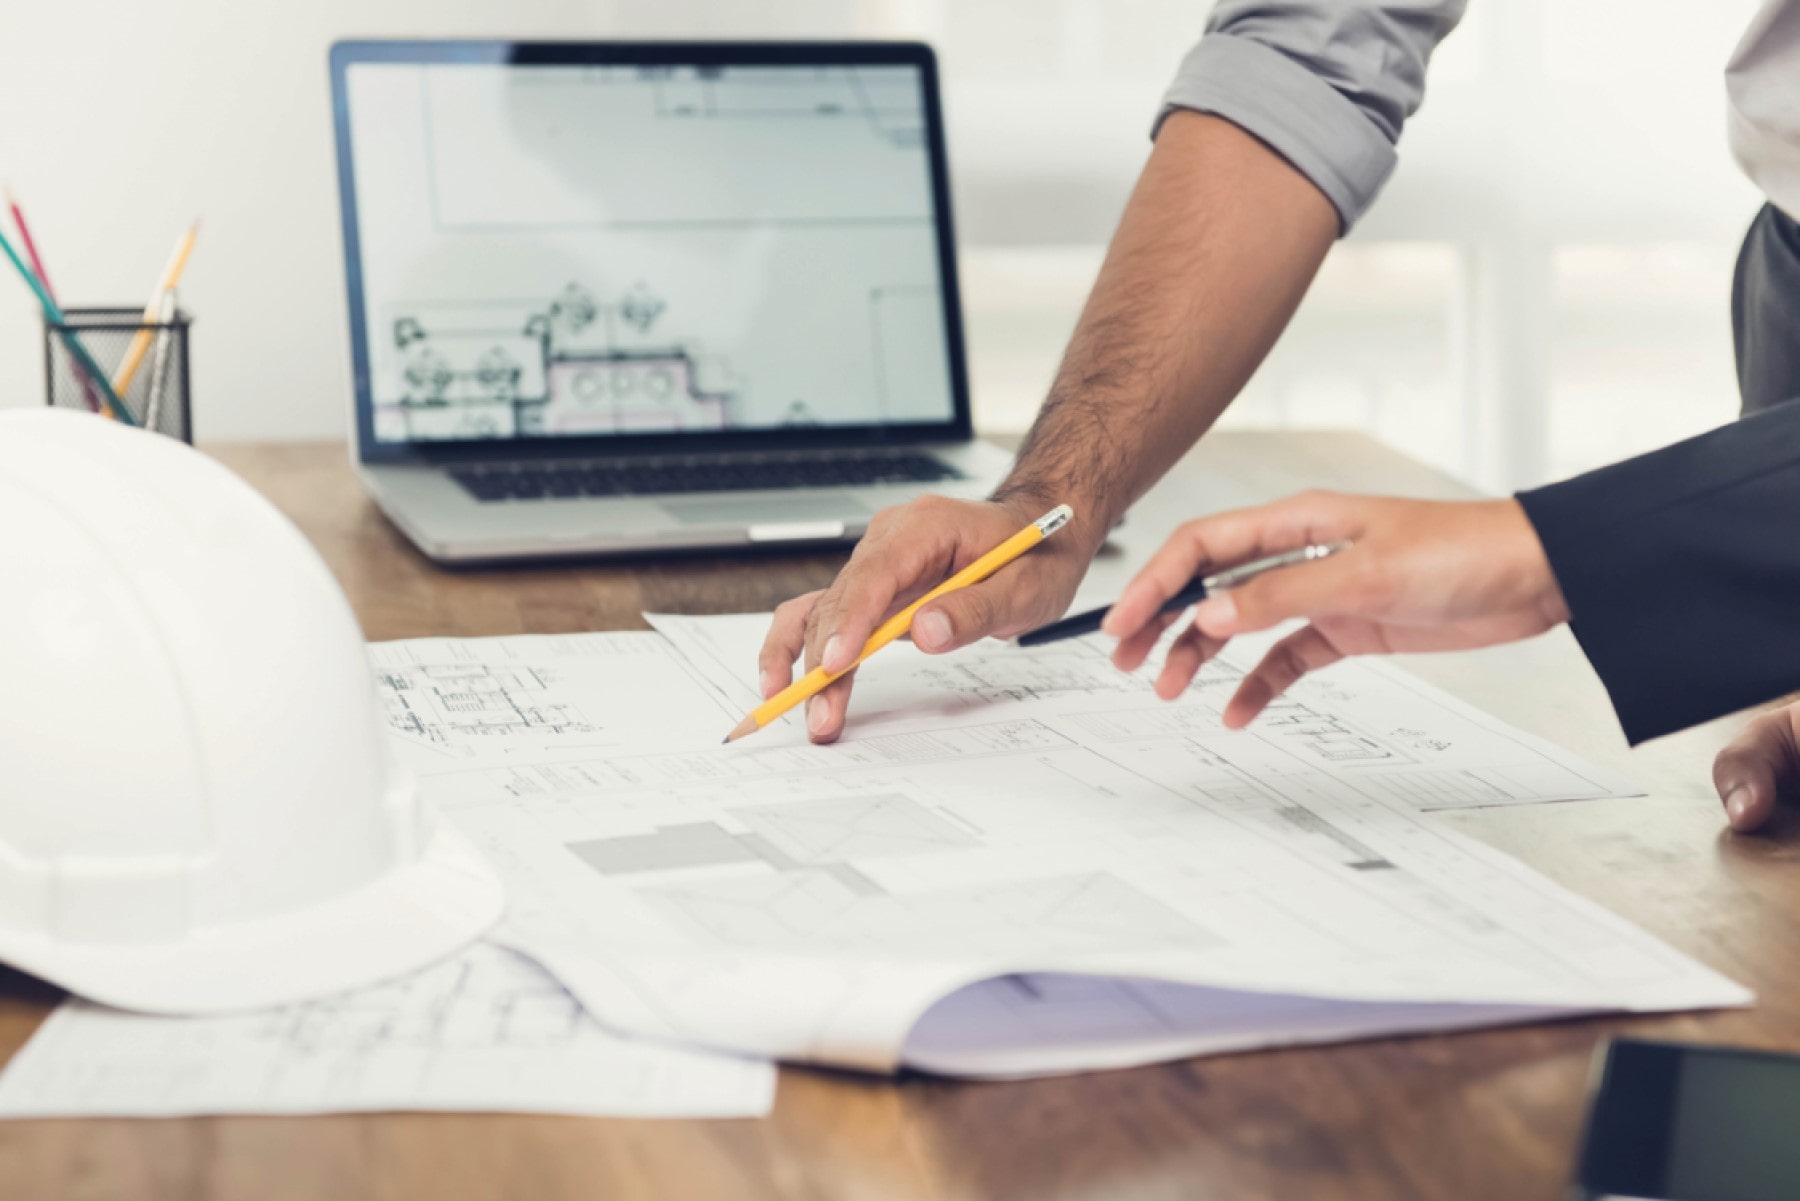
<point x="617" y="298"/>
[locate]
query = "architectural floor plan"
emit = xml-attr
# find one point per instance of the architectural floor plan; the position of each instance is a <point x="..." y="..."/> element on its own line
<point x="485" y="1030"/>
<point x="999" y="823"/>
<point x="554" y="251"/>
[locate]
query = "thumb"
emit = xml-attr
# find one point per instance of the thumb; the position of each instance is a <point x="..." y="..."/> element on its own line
<point x="1749" y="772"/>
<point x="967" y="615"/>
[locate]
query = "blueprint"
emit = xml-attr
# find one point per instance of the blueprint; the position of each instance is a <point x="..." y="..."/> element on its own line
<point x="1363" y="721"/>
<point x="1000" y="816"/>
<point x="487" y="1030"/>
<point x="495" y="700"/>
<point x="559" y="250"/>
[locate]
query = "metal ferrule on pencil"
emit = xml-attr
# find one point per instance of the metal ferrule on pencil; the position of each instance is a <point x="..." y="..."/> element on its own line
<point x="1054" y="520"/>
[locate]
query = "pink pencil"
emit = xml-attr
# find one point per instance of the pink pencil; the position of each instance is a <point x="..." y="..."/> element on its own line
<point x="37" y="265"/>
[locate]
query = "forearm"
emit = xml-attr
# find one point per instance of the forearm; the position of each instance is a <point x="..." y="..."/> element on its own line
<point x="1217" y="245"/>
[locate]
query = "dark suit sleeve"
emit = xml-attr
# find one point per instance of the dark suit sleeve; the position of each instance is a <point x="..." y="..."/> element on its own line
<point x="1681" y="569"/>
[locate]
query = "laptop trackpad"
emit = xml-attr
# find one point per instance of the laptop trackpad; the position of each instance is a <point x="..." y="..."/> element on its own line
<point x="785" y="507"/>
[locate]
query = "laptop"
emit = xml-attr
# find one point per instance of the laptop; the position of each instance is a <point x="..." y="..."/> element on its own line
<point x="615" y="298"/>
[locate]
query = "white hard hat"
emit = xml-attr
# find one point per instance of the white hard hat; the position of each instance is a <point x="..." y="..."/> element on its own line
<point x="198" y="809"/>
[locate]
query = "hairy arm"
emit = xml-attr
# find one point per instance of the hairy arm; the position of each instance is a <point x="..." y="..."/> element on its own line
<point x="1218" y="244"/>
<point x="1277" y="133"/>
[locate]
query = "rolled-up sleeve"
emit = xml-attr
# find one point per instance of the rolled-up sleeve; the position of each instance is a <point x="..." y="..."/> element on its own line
<point x="1327" y="85"/>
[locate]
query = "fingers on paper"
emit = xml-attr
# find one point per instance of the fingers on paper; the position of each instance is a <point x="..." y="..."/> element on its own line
<point x="1303" y="651"/>
<point x="1188" y="653"/>
<point x="899" y="559"/>
<point x="784" y="643"/>
<point x="825" y="712"/>
<point x="1134" y="649"/>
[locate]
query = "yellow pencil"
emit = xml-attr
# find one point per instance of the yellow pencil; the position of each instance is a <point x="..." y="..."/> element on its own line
<point x="134" y="354"/>
<point x="814" y="681"/>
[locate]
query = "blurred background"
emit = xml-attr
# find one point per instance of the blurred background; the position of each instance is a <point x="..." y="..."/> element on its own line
<point x="1544" y="287"/>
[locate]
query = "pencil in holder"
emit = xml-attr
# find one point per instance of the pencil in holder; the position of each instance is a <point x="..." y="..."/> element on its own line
<point x="150" y="358"/>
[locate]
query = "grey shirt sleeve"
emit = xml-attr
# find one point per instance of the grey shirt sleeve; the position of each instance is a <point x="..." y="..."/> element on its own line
<point x="1327" y="84"/>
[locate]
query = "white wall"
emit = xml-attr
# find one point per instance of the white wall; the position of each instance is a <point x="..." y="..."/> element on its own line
<point x="122" y="120"/>
<point x="1542" y="288"/>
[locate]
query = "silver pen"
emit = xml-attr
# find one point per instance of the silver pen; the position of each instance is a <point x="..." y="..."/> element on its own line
<point x="1196" y="591"/>
<point x="1232" y="577"/>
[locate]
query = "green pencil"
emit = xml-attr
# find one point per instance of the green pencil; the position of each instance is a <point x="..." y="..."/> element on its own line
<point x="55" y="315"/>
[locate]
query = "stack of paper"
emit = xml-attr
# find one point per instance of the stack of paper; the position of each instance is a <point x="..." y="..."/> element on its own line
<point x="485" y="1031"/>
<point x="1017" y="862"/>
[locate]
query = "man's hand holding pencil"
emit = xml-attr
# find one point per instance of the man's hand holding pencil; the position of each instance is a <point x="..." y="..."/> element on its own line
<point x="908" y="551"/>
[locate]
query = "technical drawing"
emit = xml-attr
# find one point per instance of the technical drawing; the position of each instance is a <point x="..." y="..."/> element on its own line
<point x="1325" y="737"/>
<point x="462" y="1003"/>
<point x="670" y="848"/>
<point x="854" y="828"/>
<point x="791" y="896"/>
<point x="570" y="365"/>
<point x="1016" y="676"/>
<point x="1076" y="668"/>
<point x="428" y="374"/>
<point x="641" y="307"/>
<point x="1086" y="912"/>
<point x="887" y="102"/>
<point x="443" y="703"/>
<point x="1318" y="831"/>
<point x="786" y="837"/>
<point x="575" y="309"/>
<point x="1429" y="791"/>
<point x="1185" y="720"/>
<point x="906" y="327"/>
<point x="484" y="1030"/>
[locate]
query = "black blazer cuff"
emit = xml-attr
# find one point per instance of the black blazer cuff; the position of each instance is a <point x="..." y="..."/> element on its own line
<point x="1681" y="571"/>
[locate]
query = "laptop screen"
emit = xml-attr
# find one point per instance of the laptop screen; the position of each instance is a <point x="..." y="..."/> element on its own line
<point x="561" y="250"/>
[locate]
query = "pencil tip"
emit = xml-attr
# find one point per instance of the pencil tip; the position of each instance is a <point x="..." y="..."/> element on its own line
<point x="747" y="726"/>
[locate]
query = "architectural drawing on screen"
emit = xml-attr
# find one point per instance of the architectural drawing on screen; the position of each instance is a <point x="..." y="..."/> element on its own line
<point x="572" y="364"/>
<point x="631" y="249"/>
<point x="883" y="99"/>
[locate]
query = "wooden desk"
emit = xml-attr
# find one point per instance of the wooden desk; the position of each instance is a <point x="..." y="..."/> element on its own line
<point x="1463" y="1117"/>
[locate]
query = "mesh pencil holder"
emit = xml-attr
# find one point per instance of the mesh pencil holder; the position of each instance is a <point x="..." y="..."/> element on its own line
<point x="157" y="395"/>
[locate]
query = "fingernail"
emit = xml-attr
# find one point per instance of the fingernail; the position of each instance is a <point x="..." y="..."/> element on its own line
<point x="1216" y="614"/>
<point x="771" y="684"/>
<point x="816" y="715"/>
<point x="931" y="629"/>
<point x="834" y="660"/>
<point x="1737" y="802"/>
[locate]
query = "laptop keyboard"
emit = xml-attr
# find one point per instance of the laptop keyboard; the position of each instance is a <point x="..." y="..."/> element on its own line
<point x="663" y="476"/>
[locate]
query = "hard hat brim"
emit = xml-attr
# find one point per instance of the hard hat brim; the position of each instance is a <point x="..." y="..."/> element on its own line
<point x="407" y="919"/>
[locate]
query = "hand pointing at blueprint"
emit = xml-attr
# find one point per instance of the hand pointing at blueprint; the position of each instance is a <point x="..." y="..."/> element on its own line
<point x="1007" y="814"/>
<point x="1418" y="576"/>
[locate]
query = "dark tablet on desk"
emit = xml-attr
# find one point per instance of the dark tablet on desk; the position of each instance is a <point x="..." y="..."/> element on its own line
<point x="1684" y="1123"/>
